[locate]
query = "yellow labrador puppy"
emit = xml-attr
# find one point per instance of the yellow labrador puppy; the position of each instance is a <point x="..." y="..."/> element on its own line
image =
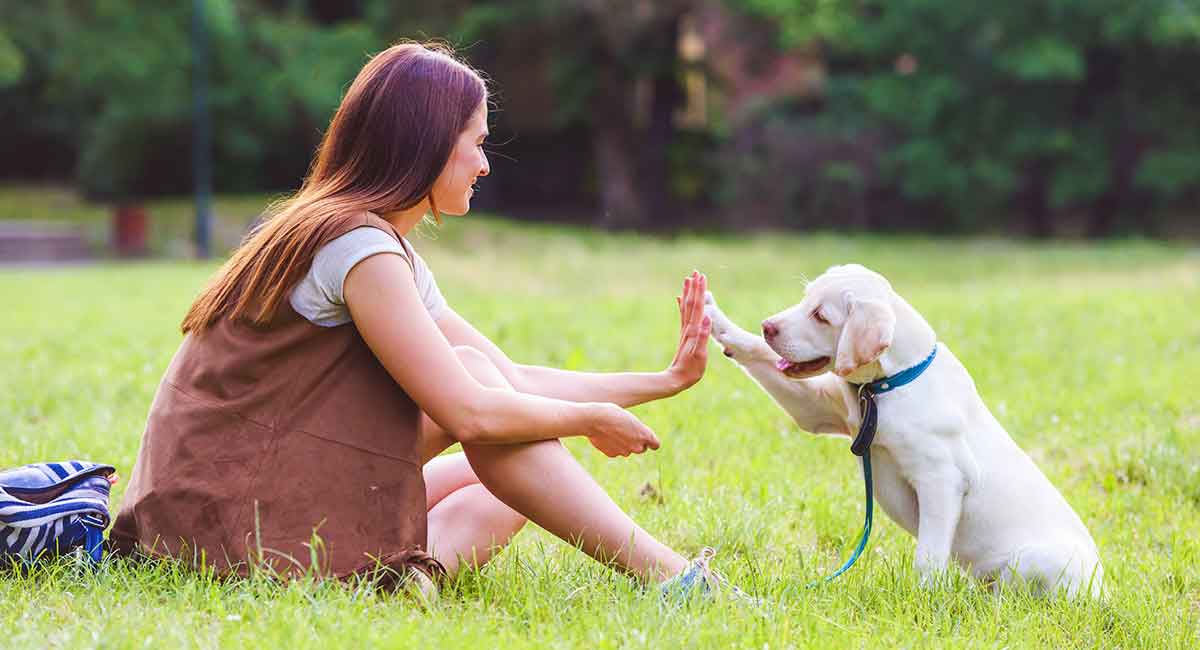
<point x="944" y="468"/>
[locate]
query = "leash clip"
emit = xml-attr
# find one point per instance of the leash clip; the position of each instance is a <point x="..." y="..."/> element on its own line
<point x="870" y="420"/>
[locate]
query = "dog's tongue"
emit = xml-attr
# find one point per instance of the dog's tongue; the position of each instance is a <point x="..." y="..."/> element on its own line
<point x="801" y="368"/>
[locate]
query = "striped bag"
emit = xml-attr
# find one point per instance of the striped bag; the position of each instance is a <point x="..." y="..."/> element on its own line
<point x="51" y="508"/>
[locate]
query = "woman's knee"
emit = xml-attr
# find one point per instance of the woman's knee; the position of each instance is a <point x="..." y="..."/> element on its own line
<point x="446" y="474"/>
<point x="481" y="367"/>
<point x="475" y="506"/>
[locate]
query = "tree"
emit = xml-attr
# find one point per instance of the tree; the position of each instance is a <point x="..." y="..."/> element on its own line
<point x="615" y="71"/>
<point x="111" y="81"/>
<point x="1045" y="106"/>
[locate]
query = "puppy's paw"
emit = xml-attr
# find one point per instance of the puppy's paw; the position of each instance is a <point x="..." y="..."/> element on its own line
<point x="721" y="329"/>
<point x="736" y="343"/>
<point x="721" y="325"/>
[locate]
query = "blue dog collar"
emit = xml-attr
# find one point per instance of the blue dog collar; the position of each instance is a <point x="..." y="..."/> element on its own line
<point x="901" y="378"/>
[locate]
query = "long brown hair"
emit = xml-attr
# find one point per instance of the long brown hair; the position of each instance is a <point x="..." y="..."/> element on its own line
<point x="388" y="142"/>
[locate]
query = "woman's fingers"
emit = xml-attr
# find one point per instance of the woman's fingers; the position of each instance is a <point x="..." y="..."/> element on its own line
<point x="702" y="338"/>
<point x="623" y="434"/>
<point x="689" y="290"/>
<point x="697" y="338"/>
<point x="697" y="281"/>
<point x="691" y="312"/>
<point x="685" y="313"/>
<point x="684" y="310"/>
<point x="695" y="298"/>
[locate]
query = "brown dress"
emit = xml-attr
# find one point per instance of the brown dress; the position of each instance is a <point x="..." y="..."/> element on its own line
<point x="288" y="446"/>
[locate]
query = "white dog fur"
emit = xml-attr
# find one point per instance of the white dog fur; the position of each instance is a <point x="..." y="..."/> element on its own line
<point x="944" y="469"/>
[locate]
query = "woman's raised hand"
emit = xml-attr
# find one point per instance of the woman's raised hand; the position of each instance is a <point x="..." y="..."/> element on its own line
<point x="694" y="327"/>
<point x="617" y="432"/>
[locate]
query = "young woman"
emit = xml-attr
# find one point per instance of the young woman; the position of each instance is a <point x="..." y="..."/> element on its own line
<point x="322" y="372"/>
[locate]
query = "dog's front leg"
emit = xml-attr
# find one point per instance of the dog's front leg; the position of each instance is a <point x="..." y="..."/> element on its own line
<point x="820" y="404"/>
<point x="737" y="344"/>
<point x="939" y="507"/>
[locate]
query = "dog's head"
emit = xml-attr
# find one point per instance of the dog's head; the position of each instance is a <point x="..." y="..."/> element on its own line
<point x="844" y="323"/>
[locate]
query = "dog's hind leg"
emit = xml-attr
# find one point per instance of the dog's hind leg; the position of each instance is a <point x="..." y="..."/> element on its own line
<point x="1050" y="568"/>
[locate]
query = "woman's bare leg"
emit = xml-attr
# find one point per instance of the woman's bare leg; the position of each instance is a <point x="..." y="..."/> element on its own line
<point x="542" y="481"/>
<point x="466" y="523"/>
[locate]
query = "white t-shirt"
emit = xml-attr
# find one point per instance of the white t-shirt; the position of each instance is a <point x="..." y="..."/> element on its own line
<point x="318" y="297"/>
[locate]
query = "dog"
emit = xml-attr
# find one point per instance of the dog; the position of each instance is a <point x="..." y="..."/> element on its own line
<point x="944" y="469"/>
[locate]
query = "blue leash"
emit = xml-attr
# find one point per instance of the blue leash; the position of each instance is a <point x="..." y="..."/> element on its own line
<point x="866" y="534"/>
<point x="862" y="446"/>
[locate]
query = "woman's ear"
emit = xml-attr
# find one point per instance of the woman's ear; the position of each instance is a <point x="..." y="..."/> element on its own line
<point x="866" y="333"/>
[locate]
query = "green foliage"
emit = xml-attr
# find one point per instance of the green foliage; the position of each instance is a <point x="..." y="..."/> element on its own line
<point x="988" y="99"/>
<point x="122" y="72"/>
<point x="12" y="62"/>
<point x="968" y="110"/>
<point x="1170" y="171"/>
<point x="1086" y="354"/>
<point x="1044" y="58"/>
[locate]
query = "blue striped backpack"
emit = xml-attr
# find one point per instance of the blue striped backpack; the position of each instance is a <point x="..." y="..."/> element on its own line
<point x="53" y="508"/>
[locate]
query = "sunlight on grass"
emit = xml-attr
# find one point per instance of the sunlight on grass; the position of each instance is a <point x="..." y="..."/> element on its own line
<point x="1087" y="354"/>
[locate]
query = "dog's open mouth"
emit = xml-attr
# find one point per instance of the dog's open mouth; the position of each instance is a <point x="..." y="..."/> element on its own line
<point x="801" y="368"/>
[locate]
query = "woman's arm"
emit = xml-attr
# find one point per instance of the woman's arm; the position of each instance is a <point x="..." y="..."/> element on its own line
<point x="622" y="388"/>
<point x="387" y="310"/>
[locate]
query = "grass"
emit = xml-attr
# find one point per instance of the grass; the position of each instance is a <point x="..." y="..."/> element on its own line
<point x="1087" y="354"/>
<point x="169" y="220"/>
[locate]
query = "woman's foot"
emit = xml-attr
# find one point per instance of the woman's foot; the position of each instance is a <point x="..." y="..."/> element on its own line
<point x="698" y="580"/>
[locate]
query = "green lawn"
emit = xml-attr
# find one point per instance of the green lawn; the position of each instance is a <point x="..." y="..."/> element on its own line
<point x="170" y="221"/>
<point x="1087" y="354"/>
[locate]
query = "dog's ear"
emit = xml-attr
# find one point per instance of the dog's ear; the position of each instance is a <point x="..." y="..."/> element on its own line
<point x="867" y="332"/>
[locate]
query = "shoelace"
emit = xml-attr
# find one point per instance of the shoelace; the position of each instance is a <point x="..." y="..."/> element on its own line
<point x="715" y="580"/>
<point x="701" y="561"/>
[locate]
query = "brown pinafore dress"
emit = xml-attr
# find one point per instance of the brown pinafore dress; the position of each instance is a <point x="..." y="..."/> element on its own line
<point x="288" y="446"/>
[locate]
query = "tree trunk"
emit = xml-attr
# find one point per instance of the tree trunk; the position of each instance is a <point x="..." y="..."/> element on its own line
<point x="1103" y="81"/>
<point x="1126" y="153"/>
<point x="654" y="152"/>
<point x="1036" y="199"/>
<point x="632" y="141"/>
<point x="621" y="203"/>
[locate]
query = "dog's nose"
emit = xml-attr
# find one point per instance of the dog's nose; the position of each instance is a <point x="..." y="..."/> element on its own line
<point x="769" y="330"/>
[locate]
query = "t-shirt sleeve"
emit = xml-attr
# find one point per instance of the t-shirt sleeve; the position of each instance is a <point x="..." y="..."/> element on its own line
<point x="319" y="297"/>
<point x="427" y="285"/>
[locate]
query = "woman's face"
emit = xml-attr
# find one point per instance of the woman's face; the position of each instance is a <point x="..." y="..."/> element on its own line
<point x="453" y="189"/>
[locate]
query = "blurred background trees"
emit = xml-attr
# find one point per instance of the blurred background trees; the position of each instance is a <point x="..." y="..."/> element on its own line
<point x="1036" y="116"/>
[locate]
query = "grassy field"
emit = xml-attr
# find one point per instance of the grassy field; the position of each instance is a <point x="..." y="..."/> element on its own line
<point x="169" y="220"/>
<point x="1087" y="354"/>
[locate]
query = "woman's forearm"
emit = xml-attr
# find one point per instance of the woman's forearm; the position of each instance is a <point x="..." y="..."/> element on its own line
<point x="499" y="416"/>
<point x="621" y="388"/>
<point x="505" y="417"/>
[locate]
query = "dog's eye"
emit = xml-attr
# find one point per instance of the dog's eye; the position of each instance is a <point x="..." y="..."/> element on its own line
<point x="818" y="317"/>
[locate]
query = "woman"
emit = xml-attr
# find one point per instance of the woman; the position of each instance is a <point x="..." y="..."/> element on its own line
<point x="321" y="374"/>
